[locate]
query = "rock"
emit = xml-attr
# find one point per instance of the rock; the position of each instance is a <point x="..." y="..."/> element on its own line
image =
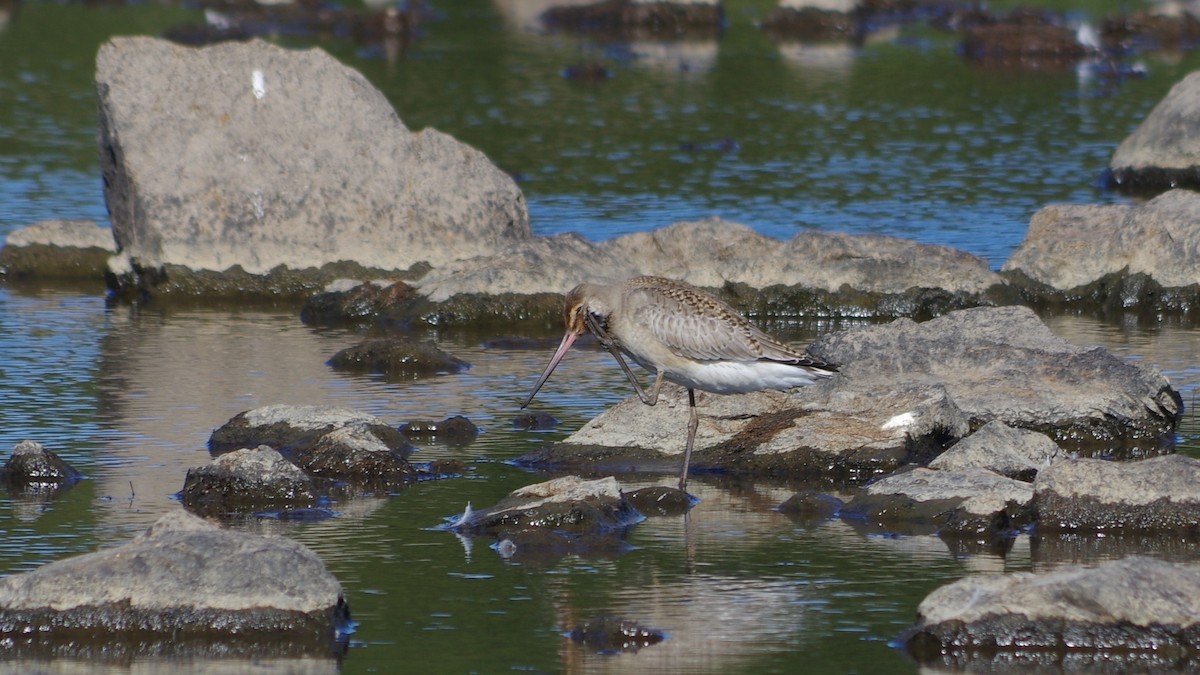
<point x="360" y="303"/>
<point x="397" y="358"/>
<point x="1015" y="453"/>
<point x="816" y="21"/>
<point x="258" y="479"/>
<point x="828" y="431"/>
<point x="569" y="504"/>
<point x="1159" y="30"/>
<point x="1137" y="614"/>
<point x="365" y="455"/>
<point x="62" y="249"/>
<point x="1070" y="246"/>
<point x="658" y="500"/>
<point x="1024" y="38"/>
<point x="456" y="430"/>
<point x="810" y="506"/>
<point x="283" y="425"/>
<point x="611" y="635"/>
<point x="252" y="156"/>
<point x="535" y="421"/>
<point x="183" y="587"/>
<point x="1004" y="364"/>
<point x="1160" y="494"/>
<point x="638" y="18"/>
<point x="1164" y="151"/>
<point x="711" y="253"/>
<point x="33" y="468"/>
<point x="970" y="502"/>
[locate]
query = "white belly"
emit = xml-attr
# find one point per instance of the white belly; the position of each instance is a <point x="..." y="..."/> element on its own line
<point x="734" y="377"/>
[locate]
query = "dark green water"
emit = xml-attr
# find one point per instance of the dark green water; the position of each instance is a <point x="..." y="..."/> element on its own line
<point x="900" y="137"/>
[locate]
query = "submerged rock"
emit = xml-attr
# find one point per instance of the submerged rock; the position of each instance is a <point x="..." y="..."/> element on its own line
<point x="183" y="587"/>
<point x="257" y="479"/>
<point x="1138" y="614"/>
<point x="217" y="187"/>
<point x="1160" y="494"/>
<point x="609" y="635"/>
<point x="569" y="503"/>
<point x="456" y="429"/>
<point x="33" y="468"/>
<point x="397" y="358"/>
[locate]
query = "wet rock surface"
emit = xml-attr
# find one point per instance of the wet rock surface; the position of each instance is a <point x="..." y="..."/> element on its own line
<point x="255" y="479"/>
<point x="33" y="468"/>
<point x="610" y="635"/>
<point x="542" y="522"/>
<point x="568" y="503"/>
<point x="1137" y="613"/>
<point x="187" y="587"/>
<point x="455" y="430"/>
<point x="397" y="358"/>
<point x="369" y="456"/>
<point x="1160" y="494"/>
<point x="215" y="189"/>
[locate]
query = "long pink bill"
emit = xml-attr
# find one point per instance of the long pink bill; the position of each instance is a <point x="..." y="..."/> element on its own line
<point x="563" y="346"/>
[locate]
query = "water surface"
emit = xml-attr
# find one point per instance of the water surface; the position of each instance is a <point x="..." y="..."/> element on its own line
<point x="898" y="137"/>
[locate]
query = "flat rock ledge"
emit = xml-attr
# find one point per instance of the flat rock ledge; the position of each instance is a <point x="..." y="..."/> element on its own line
<point x="184" y="587"/>
<point x="906" y="392"/>
<point x="1160" y="494"/>
<point x="1137" y="614"/>
<point x="57" y="249"/>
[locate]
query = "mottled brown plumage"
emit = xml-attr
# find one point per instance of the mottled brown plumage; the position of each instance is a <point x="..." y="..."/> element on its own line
<point x="682" y="335"/>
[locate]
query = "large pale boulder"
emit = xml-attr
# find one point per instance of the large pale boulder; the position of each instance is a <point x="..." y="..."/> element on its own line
<point x="1069" y="246"/>
<point x="253" y="155"/>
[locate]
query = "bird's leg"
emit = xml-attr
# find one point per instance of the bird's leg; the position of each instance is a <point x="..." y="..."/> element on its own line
<point x="610" y="344"/>
<point x="693" y="424"/>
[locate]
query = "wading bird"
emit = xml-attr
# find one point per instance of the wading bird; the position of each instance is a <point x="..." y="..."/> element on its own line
<point x="682" y="335"/>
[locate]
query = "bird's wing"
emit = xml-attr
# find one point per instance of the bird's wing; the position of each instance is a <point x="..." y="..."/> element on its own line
<point x="696" y="325"/>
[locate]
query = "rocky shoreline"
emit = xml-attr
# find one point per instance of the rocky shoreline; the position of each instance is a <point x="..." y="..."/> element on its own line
<point x="975" y="422"/>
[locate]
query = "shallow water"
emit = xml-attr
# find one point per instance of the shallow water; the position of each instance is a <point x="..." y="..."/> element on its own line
<point x="900" y="137"/>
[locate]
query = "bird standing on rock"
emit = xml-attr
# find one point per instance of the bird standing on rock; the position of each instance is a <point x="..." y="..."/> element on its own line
<point x="683" y="335"/>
